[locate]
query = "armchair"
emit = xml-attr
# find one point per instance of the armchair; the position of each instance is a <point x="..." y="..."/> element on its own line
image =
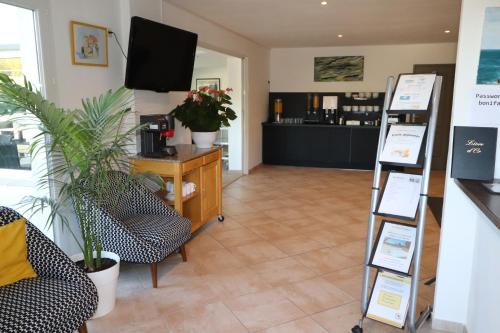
<point x="60" y="300"/>
<point x="140" y="228"/>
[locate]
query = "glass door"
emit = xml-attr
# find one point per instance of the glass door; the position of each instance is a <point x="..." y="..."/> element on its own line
<point x="19" y="57"/>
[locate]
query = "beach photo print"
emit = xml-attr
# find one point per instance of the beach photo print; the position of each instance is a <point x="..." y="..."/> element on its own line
<point x="489" y="61"/>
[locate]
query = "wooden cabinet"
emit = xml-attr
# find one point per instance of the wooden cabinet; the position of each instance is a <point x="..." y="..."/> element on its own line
<point x="203" y="167"/>
<point x="209" y="197"/>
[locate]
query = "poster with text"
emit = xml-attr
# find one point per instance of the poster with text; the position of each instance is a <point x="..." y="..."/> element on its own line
<point x="390" y="298"/>
<point x="403" y="144"/>
<point x="395" y="246"/>
<point x="488" y="72"/>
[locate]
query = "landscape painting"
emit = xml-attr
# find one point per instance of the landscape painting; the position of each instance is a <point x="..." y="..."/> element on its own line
<point x="343" y="68"/>
<point x="489" y="61"/>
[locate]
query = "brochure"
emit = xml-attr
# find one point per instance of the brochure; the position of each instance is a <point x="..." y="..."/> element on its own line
<point x="403" y="144"/>
<point x="413" y="92"/>
<point x="390" y="298"/>
<point x="400" y="196"/>
<point x="394" y="247"/>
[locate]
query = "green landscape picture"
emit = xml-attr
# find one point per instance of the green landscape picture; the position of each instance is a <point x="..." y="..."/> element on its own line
<point x="344" y="68"/>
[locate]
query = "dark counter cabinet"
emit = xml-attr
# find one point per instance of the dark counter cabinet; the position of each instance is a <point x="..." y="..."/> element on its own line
<point x="317" y="145"/>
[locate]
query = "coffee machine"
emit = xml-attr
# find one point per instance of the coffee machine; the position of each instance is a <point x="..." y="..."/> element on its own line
<point x="156" y="131"/>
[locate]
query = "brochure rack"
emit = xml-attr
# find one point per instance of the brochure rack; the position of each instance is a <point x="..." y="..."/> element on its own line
<point x="413" y="323"/>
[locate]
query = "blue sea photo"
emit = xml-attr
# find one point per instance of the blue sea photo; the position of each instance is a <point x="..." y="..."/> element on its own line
<point x="489" y="60"/>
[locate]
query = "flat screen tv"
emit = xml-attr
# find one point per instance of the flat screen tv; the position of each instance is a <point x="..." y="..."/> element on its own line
<point x="160" y="57"/>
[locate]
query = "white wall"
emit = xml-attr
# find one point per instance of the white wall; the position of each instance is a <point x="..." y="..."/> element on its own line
<point x="467" y="289"/>
<point x="256" y="68"/>
<point x="74" y="82"/>
<point x="292" y="69"/>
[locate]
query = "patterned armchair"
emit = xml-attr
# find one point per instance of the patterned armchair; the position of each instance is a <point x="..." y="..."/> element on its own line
<point x="140" y="228"/>
<point x="60" y="300"/>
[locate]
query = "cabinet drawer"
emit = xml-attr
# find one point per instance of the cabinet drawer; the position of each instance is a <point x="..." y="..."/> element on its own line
<point x="190" y="165"/>
<point x="210" y="157"/>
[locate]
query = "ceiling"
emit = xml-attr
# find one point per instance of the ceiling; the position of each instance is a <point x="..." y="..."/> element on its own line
<point x="301" y="23"/>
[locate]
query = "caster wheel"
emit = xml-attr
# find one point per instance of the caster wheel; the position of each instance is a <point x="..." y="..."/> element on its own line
<point x="220" y="218"/>
<point x="357" y="329"/>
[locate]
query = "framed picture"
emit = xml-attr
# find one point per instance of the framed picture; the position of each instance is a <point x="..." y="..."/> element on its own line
<point x="337" y="69"/>
<point x="89" y="44"/>
<point x="488" y="72"/>
<point x="211" y="83"/>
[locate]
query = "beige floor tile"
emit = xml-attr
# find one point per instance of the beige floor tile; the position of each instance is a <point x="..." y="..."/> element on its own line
<point x="297" y="244"/>
<point x="304" y="325"/>
<point x="325" y="260"/>
<point x="213" y="318"/>
<point x="281" y="271"/>
<point x="264" y="310"/>
<point x="284" y="213"/>
<point x="315" y="295"/>
<point x="235" y="282"/>
<point x="215" y="261"/>
<point x="273" y="231"/>
<point x="340" y="319"/>
<point x="311" y="260"/>
<point x="257" y="252"/>
<point x="236" y="237"/>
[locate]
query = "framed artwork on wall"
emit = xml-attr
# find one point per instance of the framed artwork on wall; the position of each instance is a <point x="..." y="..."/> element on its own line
<point x="89" y="44"/>
<point x="338" y="69"/>
<point x="211" y="83"/>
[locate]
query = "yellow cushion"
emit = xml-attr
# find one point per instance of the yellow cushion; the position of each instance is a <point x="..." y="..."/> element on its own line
<point x="14" y="264"/>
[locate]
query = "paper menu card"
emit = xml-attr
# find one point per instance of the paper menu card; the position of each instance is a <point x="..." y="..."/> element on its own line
<point x="401" y="195"/>
<point x="413" y="92"/>
<point x="395" y="247"/>
<point x="403" y="144"/>
<point x="390" y="298"/>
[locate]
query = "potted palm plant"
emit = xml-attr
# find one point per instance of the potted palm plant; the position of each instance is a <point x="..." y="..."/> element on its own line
<point x="204" y="112"/>
<point x="85" y="145"/>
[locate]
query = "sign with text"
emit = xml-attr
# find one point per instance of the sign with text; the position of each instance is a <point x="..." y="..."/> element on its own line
<point x="485" y="106"/>
<point x="474" y="150"/>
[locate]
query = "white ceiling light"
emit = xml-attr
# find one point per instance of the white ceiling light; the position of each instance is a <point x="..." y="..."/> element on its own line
<point x="324" y="3"/>
<point x="447" y="31"/>
<point x="340" y="36"/>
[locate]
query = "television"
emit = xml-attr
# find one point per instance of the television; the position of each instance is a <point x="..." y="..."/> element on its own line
<point x="160" y="57"/>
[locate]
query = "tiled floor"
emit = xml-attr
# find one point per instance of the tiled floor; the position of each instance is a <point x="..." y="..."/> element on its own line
<point x="287" y="259"/>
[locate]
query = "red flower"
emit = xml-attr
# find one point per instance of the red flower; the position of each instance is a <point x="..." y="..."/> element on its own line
<point x="191" y="93"/>
<point x="204" y="88"/>
<point x="229" y="89"/>
<point x="199" y="99"/>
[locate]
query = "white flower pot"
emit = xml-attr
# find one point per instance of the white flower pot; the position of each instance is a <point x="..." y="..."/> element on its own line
<point x="204" y="140"/>
<point x="106" y="282"/>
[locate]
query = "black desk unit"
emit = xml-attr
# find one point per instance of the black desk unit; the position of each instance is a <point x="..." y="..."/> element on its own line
<point x="320" y="145"/>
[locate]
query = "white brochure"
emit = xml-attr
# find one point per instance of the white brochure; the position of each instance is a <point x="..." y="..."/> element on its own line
<point x="395" y="246"/>
<point x="413" y="92"/>
<point x="390" y="298"/>
<point x="401" y="195"/>
<point x="403" y="144"/>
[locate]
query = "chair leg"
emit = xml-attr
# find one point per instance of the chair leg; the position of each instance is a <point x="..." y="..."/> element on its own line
<point x="154" y="274"/>
<point x="183" y="252"/>
<point x="83" y="328"/>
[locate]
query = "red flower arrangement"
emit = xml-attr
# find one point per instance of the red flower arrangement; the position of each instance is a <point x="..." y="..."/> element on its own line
<point x="205" y="110"/>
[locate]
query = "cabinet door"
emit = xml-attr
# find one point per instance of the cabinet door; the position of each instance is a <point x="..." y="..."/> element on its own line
<point x="209" y="197"/>
<point x="364" y="142"/>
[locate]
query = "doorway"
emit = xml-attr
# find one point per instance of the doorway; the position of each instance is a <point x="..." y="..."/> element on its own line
<point x="221" y="71"/>
<point x="442" y="138"/>
<point x="19" y="57"/>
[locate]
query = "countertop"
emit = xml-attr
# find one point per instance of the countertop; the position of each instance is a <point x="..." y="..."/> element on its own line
<point x="487" y="202"/>
<point x="184" y="153"/>
<point x="316" y="125"/>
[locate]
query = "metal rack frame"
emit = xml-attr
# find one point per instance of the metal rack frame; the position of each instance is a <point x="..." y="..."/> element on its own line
<point x="413" y="322"/>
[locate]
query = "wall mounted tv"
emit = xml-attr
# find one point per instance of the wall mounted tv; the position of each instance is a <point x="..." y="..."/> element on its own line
<point x="160" y="57"/>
